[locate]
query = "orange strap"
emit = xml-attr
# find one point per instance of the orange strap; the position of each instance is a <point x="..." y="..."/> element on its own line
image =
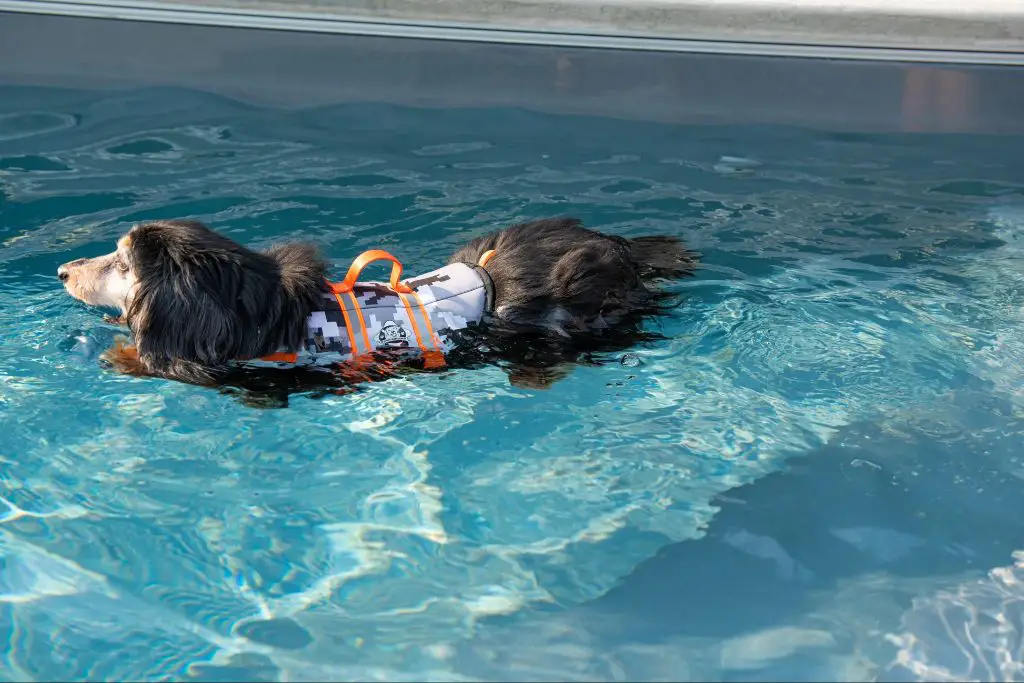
<point x="365" y="259"/>
<point x="281" y="357"/>
<point x="433" y="359"/>
<point x="433" y="355"/>
<point x="362" y="320"/>
<point x="426" y="318"/>
<point x="412" y="321"/>
<point x="485" y="257"/>
<point x="349" y="328"/>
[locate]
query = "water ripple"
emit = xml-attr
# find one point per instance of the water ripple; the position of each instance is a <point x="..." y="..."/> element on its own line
<point x="370" y="536"/>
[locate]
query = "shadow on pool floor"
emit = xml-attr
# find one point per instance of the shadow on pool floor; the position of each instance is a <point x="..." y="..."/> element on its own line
<point x="802" y="573"/>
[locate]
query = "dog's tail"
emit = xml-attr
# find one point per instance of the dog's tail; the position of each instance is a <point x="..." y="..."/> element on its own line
<point x="663" y="257"/>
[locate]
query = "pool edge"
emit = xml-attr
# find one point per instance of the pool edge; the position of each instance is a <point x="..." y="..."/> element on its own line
<point x="859" y="30"/>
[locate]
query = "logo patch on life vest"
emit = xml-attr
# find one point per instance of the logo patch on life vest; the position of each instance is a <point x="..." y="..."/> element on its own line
<point x="393" y="335"/>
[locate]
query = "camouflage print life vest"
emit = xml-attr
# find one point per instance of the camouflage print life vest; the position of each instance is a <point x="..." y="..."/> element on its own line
<point x="419" y="314"/>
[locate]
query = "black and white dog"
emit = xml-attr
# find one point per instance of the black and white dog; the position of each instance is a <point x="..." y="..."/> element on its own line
<point x="197" y="302"/>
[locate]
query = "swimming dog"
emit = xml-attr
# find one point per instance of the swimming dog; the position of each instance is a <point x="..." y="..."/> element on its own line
<point x="536" y="297"/>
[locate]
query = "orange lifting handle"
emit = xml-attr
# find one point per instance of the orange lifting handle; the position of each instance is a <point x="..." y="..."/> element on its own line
<point x="365" y="259"/>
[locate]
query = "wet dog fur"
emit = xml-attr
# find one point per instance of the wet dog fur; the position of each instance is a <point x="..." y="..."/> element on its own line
<point x="196" y="300"/>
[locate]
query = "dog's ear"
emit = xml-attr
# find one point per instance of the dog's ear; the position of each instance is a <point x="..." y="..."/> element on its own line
<point x="199" y="298"/>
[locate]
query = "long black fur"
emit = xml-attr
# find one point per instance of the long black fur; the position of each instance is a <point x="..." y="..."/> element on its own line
<point x="565" y="293"/>
<point x="204" y="300"/>
<point x="556" y="276"/>
<point x="562" y="293"/>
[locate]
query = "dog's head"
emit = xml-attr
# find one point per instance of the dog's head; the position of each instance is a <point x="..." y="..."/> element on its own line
<point x="193" y="296"/>
<point x="106" y="280"/>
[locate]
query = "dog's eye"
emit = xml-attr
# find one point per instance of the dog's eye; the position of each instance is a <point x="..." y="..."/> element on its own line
<point x="121" y="266"/>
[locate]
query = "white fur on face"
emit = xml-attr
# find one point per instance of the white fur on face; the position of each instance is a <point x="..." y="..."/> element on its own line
<point x="102" y="281"/>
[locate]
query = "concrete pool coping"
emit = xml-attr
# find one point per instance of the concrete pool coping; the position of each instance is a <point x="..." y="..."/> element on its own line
<point x="947" y="31"/>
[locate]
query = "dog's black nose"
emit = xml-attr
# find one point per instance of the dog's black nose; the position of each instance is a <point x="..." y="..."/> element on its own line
<point x="62" y="273"/>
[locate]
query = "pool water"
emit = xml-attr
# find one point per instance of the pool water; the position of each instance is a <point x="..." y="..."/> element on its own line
<point x="816" y="475"/>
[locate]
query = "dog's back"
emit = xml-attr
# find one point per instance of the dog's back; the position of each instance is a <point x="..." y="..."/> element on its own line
<point x="557" y="276"/>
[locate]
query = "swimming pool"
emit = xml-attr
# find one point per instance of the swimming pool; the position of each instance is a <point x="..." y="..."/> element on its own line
<point x="832" y="430"/>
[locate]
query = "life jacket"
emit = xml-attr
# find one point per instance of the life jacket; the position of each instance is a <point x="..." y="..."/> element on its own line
<point x="418" y="316"/>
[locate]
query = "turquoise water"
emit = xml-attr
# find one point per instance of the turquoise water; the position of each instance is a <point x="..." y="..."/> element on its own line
<point x="813" y="476"/>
